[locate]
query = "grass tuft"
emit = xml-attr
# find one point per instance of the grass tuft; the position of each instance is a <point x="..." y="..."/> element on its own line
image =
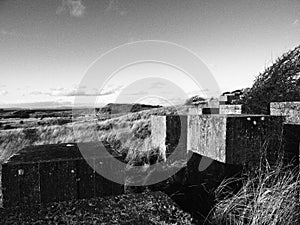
<point x="268" y="197"/>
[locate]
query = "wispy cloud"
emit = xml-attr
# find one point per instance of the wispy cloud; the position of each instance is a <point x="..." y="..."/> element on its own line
<point x="42" y="104"/>
<point x="296" y="23"/>
<point x="3" y="92"/>
<point x="73" y="7"/>
<point x="115" y="6"/>
<point x="76" y="92"/>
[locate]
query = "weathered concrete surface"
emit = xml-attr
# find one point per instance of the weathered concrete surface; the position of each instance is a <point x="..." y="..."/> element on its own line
<point x="236" y="139"/>
<point x="195" y="110"/>
<point x="230" y="109"/>
<point x="220" y="109"/>
<point x="233" y="139"/>
<point x="207" y="135"/>
<point x="212" y="103"/>
<point x="289" y="109"/>
<point x="169" y="134"/>
<point x="158" y="133"/>
<point x="223" y="99"/>
<point x="27" y="176"/>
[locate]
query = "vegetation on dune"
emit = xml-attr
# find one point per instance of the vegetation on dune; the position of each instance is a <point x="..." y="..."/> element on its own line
<point x="128" y="134"/>
<point x="278" y="83"/>
<point x="269" y="197"/>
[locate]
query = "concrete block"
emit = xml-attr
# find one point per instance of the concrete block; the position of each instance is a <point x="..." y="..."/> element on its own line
<point x="195" y="110"/>
<point x="230" y="109"/>
<point x="291" y="133"/>
<point x="212" y="103"/>
<point x="158" y="133"/>
<point x="236" y="139"/>
<point x="210" y="111"/>
<point x="27" y="176"/>
<point x="169" y="134"/>
<point x="291" y="138"/>
<point x="289" y="109"/>
<point x="223" y="99"/>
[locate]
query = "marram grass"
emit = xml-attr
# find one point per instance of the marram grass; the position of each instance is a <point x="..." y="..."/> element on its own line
<point x="271" y="197"/>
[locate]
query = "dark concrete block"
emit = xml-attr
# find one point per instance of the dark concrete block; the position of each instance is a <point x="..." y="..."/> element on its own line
<point x="210" y="111"/>
<point x="54" y="173"/>
<point x="291" y="138"/>
<point x="58" y="181"/>
<point x="10" y="185"/>
<point x="85" y="179"/>
<point x="29" y="183"/>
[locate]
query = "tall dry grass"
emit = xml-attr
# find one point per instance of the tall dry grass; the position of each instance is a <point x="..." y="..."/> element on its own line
<point x="269" y="197"/>
<point x="127" y="134"/>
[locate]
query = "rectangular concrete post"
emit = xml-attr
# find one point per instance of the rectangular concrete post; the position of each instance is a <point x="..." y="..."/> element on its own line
<point x="206" y="136"/>
<point x="159" y="133"/>
<point x="236" y="139"/>
<point x="169" y="134"/>
<point x="291" y="128"/>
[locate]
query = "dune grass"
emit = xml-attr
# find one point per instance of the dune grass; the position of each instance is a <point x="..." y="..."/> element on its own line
<point x="128" y="134"/>
<point x="269" y="196"/>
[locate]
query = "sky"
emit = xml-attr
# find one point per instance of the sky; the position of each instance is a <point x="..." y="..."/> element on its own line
<point x="47" y="46"/>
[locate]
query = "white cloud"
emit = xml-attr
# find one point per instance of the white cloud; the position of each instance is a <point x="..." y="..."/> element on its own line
<point x="296" y="23"/>
<point x="73" y="7"/>
<point x="76" y="92"/>
<point x="3" y="92"/>
<point x="39" y="104"/>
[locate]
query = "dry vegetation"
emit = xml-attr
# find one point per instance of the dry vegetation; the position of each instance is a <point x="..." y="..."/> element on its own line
<point x="128" y="134"/>
<point x="269" y="197"/>
<point x="134" y="209"/>
<point x="278" y="83"/>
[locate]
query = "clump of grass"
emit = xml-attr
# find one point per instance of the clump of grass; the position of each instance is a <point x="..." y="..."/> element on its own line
<point x="270" y="197"/>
